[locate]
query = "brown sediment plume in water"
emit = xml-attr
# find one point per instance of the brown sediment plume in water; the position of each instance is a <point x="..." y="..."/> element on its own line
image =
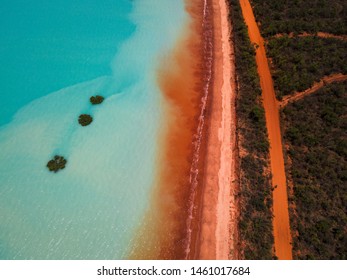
<point x="170" y="227"/>
<point x="281" y="226"/>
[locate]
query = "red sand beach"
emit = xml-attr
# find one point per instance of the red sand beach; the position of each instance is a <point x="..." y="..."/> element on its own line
<point x="218" y="231"/>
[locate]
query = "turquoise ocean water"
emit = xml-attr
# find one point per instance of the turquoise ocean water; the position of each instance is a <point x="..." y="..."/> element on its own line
<point x="53" y="57"/>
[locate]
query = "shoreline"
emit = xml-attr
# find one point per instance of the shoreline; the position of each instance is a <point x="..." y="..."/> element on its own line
<point x="193" y="213"/>
<point x="218" y="221"/>
<point x="170" y="225"/>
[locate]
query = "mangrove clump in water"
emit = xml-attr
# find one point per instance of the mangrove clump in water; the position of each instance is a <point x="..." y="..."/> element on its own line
<point x="57" y="163"/>
<point x="97" y="99"/>
<point x="85" y="119"/>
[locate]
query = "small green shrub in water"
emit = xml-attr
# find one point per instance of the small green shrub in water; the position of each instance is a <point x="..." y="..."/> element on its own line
<point x="97" y="99"/>
<point x="85" y="119"/>
<point x="57" y="163"/>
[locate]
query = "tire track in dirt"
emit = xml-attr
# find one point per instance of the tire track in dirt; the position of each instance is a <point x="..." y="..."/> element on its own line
<point x="305" y="34"/>
<point x="316" y="86"/>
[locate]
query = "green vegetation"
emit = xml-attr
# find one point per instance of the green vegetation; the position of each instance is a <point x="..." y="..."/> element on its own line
<point x="57" y="163"/>
<point x="298" y="62"/>
<point x="285" y="16"/>
<point x="315" y="129"/>
<point x="97" y="99"/>
<point x="255" y="189"/>
<point x="85" y="119"/>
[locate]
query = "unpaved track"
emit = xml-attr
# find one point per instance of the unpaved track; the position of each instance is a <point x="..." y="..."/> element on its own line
<point x="318" y="34"/>
<point x="281" y="226"/>
<point x="316" y="86"/>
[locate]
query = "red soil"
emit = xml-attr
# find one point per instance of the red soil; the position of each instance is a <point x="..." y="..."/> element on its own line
<point x="283" y="247"/>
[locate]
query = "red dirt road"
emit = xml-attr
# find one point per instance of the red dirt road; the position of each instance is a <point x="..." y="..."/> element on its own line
<point x="281" y="226"/>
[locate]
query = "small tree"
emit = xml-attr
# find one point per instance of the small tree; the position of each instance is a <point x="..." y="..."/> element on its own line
<point x="256" y="114"/>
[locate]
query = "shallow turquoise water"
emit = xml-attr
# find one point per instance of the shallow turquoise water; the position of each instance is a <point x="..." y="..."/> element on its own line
<point x="54" y="56"/>
<point x="46" y="47"/>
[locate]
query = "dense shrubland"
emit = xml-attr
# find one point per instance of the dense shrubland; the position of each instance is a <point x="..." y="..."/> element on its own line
<point x="298" y="62"/>
<point x="255" y="189"/>
<point x="285" y="16"/>
<point x="315" y="127"/>
<point x="315" y="130"/>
